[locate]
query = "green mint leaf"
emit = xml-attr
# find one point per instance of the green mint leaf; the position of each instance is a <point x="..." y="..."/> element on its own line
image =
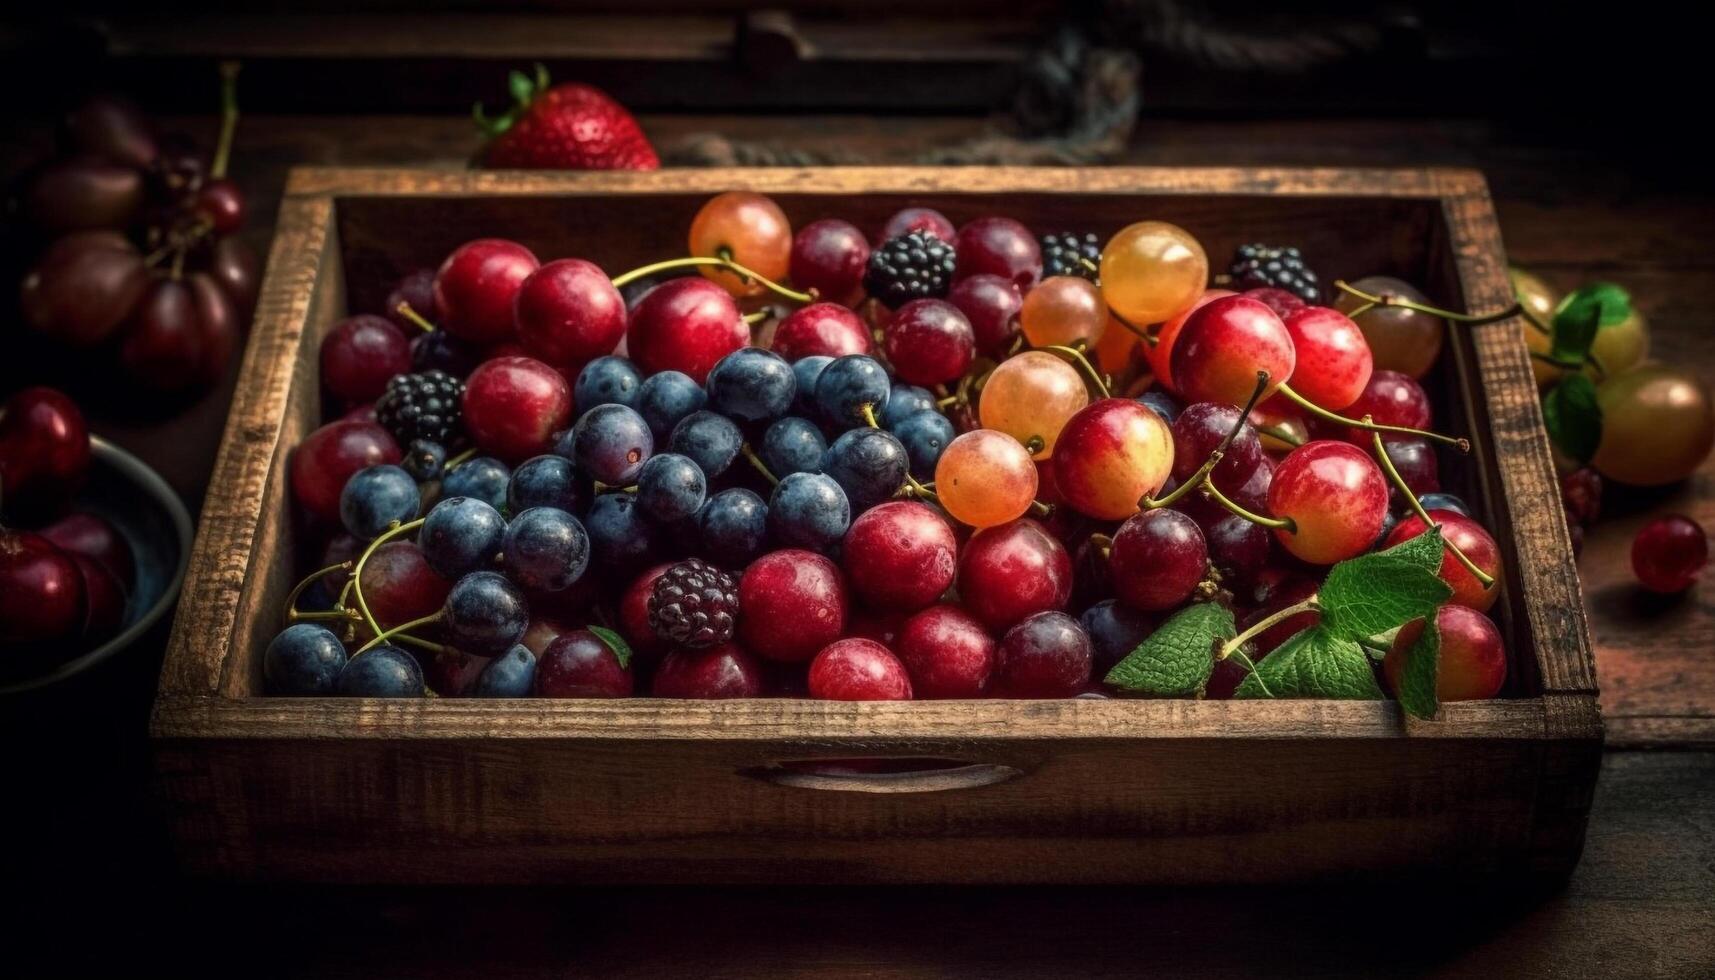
<point x="1175" y="661"/>
<point x="521" y="87"/>
<point x="1573" y="332"/>
<point x="1425" y="551"/>
<point x="1313" y="664"/>
<point x="1422" y="666"/>
<point x="1375" y="593"/>
<point x="1611" y="302"/>
<point x="615" y="642"/>
<point x="1573" y="417"/>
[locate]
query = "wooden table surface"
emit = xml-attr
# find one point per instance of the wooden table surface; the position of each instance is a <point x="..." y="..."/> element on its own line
<point x="1642" y="903"/>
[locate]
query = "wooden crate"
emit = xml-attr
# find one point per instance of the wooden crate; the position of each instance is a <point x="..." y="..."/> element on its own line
<point x="1000" y="791"/>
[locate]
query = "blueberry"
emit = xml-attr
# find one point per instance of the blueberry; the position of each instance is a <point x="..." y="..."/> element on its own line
<point x="710" y="440"/>
<point x="664" y="401"/>
<point x="546" y="481"/>
<point x="1164" y="404"/>
<point x="377" y="497"/>
<point x="381" y="672"/>
<point x="620" y="539"/>
<point x="1390" y="519"/>
<point x="485" y="614"/>
<point x="1115" y="631"/>
<point x="847" y="385"/>
<point x="808" y="510"/>
<point x="733" y="526"/>
<point x="609" y="380"/>
<point x="793" y="445"/>
<point x="610" y="444"/>
<point x="424" y="460"/>
<point x="1444" y="501"/>
<point x="752" y="385"/>
<point x="903" y="402"/>
<point x="461" y="535"/>
<point x="441" y="351"/>
<point x="304" y="659"/>
<point x="925" y="436"/>
<point x="805" y="372"/>
<point x="510" y="675"/>
<point x="544" y="549"/>
<point x="484" y="478"/>
<point x="868" y="464"/>
<point x="670" y="488"/>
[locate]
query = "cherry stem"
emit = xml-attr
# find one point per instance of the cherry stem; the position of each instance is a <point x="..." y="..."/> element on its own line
<point x="357" y="570"/>
<point x="755" y="317"/>
<point x="1279" y="523"/>
<point x="1423" y="515"/>
<point x="627" y="278"/>
<point x="383" y="637"/>
<point x="228" y="119"/>
<point x="1040" y="509"/>
<point x="1463" y="444"/>
<point x="756" y="461"/>
<point x="404" y="309"/>
<point x="292" y="613"/>
<point x="1104" y="543"/>
<point x="1233" y="647"/>
<point x="1200" y="477"/>
<point x="1276" y="432"/>
<point x="1082" y="363"/>
<point x="1142" y="334"/>
<point x="1387" y="299"/>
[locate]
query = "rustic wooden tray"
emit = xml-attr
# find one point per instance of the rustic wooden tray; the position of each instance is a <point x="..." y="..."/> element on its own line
<point x="971" y="791"/>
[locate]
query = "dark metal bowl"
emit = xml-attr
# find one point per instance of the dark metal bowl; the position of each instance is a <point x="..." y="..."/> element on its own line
<point x="158" y="528"/>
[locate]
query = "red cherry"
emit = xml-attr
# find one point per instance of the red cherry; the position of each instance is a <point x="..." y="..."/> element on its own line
<point x="569" y="313"/>
<point x="858" y="670"/>
<point x="579" y="665"/>
<point x="1472" y="663"/>
<point x="882" y="627"/>
<point x="929" y="342"/>
<point x="726" y="671"/>
<point x="821" y="328"/>
<point x="1332" y="358"/>
<point x="634" y="614"/>
<point x="1283" y="303"/>
<point x="44" y="449"/>
<point x="477" y="286"/>
<point x="416" y="290"/>
<point x="513" y="406"/>
<point x="829" y="256"/>
<point x="1158" y="557"/>
<point x="1390" y="398"/>
<point x="95" y="537"/>
<point x="399" y="585"/>
<point x="104" y="599"/>
<point x="1047" y="656"/>
<point x="947" y="653"/>
<point x="686" y="324"/>
<point x="221" y="202"/>
<point x="1001" y="247"/>
<point x="792" y="603"/>
<point x="328" y="457"/>
<point x="1110" y="455"/>
<point x="1669" y="553"/>
<point x="41" y="591"/>
<point x="1160" y="356"/>
<point x="992" y="304"/>
<point x="360" y="354"/>
<point x="900" y="555"/>
<point x="1224" y="344"/>
<point x="1336" y="496"/>
<point x="1469" y="537"/>
<point x="1013" y="570"/>
<point x="907" y="220"/>
<point x="1197" y="432"/>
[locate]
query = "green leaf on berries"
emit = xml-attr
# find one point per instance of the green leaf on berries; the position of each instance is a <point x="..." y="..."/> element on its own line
<point x="1176" y="660"/>
<point x="1376" y="593"/>
<point x="1422" y="667"/>
<point x="1573" y="417"/>
<point x="615" y="642"/>
<point x="522" y="89"/>
<point x="1426" y="551"/>
<point x="1611" y="302"/>
<point x="1313" y="664"/>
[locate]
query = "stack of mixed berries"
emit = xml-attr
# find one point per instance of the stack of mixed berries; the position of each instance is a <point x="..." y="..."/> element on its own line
<point x="941" y="476"/>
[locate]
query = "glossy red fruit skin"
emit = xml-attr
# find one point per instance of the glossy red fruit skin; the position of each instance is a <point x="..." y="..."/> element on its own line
<point x="542" y="631"/>
<point x="329" y="456"/>
<point x="998" y="246"/>
<point x="235" y="265"/>
<point x="579" y="665"/>
<point x="416" y="290"/>
<point x="1390" y="398"/>
<point x="41" y="591"/>
<point x="1011" y="571"/>
<point x="400" y="586"/>
<point x="686" y="324"/>
<point x="1223" y="345"/>
<point x="568" y="313"/>
<point x="1581" y="493"/>
<point x="792" y="603"/>
<point x="104" y="600"/>
<point x="992" y="304"/>
<point x="221" y="202"/>
<point x="477" y="286"/>
<point x="83" y="287"/>
<point x="1471" y="538"/>
<point x="1335" y="494"/>
<point x="1670" y="553"/>
<point x="360" y="354"/>
<point x="717" y="673"/>
<point x="1160" y="356"/>
<point x="95" y="537"/>
<point x="907" y="220"/>
<point x="451" y="675"/>
<point x="221" y="325"/>
<point x="1048" y="655"/>
<point x="929" y="342"/>
<point x="634" y="614"/>
<point x="1472" y="665"/>
<point x="44" y="448"/>
<point x="573" y="126"/>
<point x="514" y="405"/>
<point x="858" y="670"/>
<point x="828" y="329"/>
<point x="829" y="256"/>
<point x="1158" y="557"/>
<point x="900" y="555"/>
<point x="946" y="652"/>
<point x="1110" y="455"/>
<point x="1333" y="361"/>
<point x="1283" y="303"/>
<point x="161" y="346"/>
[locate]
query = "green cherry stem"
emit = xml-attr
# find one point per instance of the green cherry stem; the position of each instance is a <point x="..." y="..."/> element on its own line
<point x="1386" y="299"/>
<point x="1423" y="515"/>
<point x="1278" y="523"/>
<point x="1142" y="334"/>
<point x="1464" y="445"/>
<point x="357" y="570"/>
<point x="228" y="119"/>
<point x="404" y="309"/>
<point x="1276" y="432"/>
<point x="625" y="279"/>
<point x="1082" y="363"/>
<point x="383" y="637"/>
<point x="459" y="460"/>
<point x="755" y="317"/>
<point x="1104" y="543"/>
<point x="1234" y="646"/>
<point x="1200" y="477"/>
<point x="756" y="461"/>
<point x="868" y="411"/>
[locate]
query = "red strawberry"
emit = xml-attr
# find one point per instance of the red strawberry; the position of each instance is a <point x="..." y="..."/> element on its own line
<point x="566" y="127"/>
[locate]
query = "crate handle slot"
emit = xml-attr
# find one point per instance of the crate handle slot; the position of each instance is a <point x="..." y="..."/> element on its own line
<point x="891" y="774"/>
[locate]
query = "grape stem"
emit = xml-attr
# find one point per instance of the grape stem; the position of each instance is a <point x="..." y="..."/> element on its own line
<point x="1463" y="444"/>
<point x="392" y="532"/>
<point x="292" y="613"/>
<point x="868" y="411"/>
<point x="1388" y="299"/>
<point x="1198" y="478"/>
<point x="1233" y="647"/>
<point x="1103" y="543"/>
<point x="228" y="119"/>
<point x="1423" y="515"/>
<point x="625" y="279"/>
<point x="920" y="491"/>
<point x="383" y="637"/>
<point x="404" y="309"/>
<point x="458" y="461"/>
<point x="1082" y="363"/>
<point x="756" y="461"/>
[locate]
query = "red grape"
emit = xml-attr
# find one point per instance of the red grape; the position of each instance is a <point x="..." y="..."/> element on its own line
<point x="827" y="329"/>
<point x="726" y="671"/>
<point x="992" y="304"/>
<point x="1158" y="558"/>
<point x="929" y="342"/>
<point x="329" y="456"/>
<point x="477" y="285"/>
<point x="947" y="653"/>
<point x="829" y="256"/>
<point x="513" y="406"/>
<point x="1670" y="553"/>
<point x="792" y="604"/>
<point x="1013" y="570"/>
<point x="580" y="664"/>
<point x="858" y="670"/>
<point x="900" y="555"/>
<point x="1048" y="655"/>
<point x="1001" y="247"/>
<point x="360" y="354"/>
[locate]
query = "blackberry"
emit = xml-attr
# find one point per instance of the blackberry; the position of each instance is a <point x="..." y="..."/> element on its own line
<point x="421" y="406"/>
<point x="911" y="266"/>
<point x="1280" y="266"/>
<point x="694" y="604"/>
<point x="1064" y="253"/>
